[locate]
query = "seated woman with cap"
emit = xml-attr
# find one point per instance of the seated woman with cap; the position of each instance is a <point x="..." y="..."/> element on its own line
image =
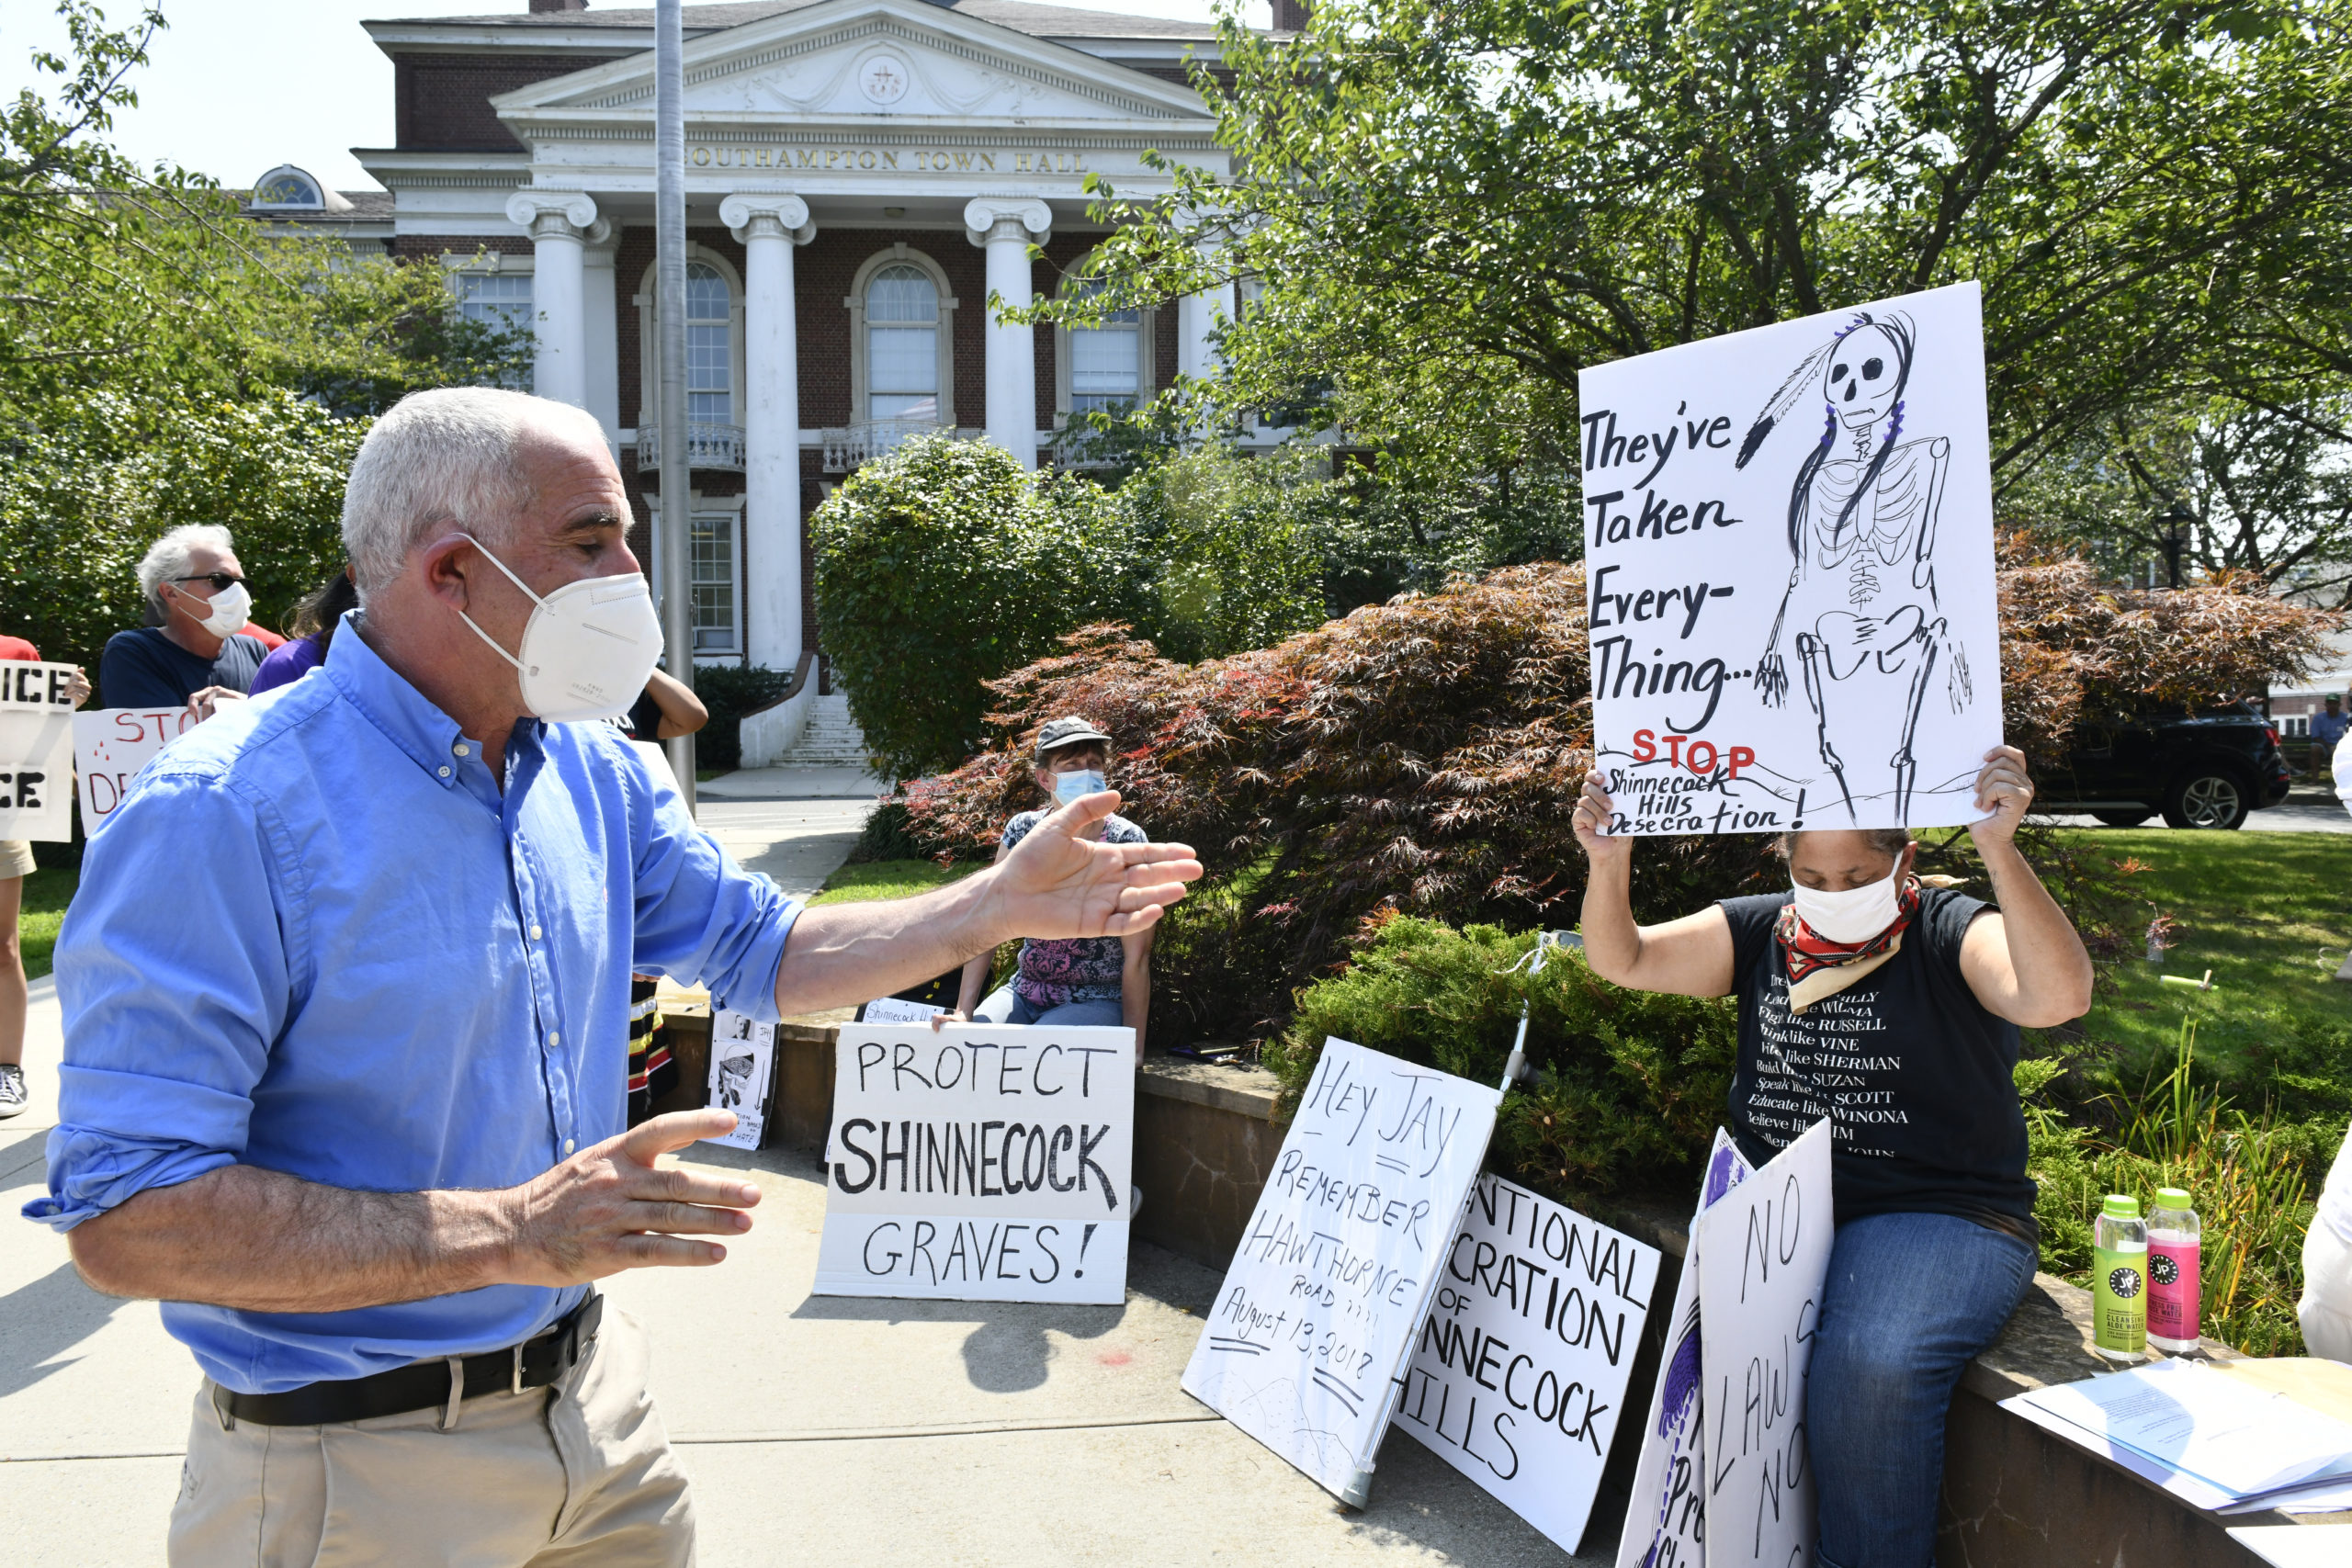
<point x="1096" y="980"/>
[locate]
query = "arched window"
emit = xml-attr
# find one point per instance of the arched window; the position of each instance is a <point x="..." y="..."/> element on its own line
<point x="903" y="344"/>
<point x="287" y="187"/>
<point x="710" y="353"/>
<point x="1105" y="362"/>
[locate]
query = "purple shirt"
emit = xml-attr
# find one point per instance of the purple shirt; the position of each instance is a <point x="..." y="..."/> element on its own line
<point x="286" y="664"/>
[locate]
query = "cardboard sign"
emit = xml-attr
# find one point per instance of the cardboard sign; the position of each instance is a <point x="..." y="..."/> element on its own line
<point x="742" y="1075"/>
<point x="1520" y="1368"/>
<point x="980" y="1162"/>
<point x="1306" y="1345"/>
<point x="1764" y="1248"/>
<point x="110" y="745"/>
<point x="36" y="751"/>
<point x="1789" y="550"/>
<point x="1665" y="1522"/>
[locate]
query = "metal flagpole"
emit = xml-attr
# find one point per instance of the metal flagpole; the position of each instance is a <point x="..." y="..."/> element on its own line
<point x="670" y="294"/>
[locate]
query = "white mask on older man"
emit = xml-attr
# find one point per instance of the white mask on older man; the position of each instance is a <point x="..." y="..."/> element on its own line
<point x="589" y="647"/>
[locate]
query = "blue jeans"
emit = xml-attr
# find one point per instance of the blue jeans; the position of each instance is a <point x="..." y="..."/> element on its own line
<point x="1910" y="1298"/>
<point x="1008" y="1005"/>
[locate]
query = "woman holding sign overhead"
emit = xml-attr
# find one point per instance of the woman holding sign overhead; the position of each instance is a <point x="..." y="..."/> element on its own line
<point x="1893" y="1007"/>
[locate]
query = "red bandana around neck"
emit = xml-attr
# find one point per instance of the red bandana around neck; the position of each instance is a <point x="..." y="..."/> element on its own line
<point x="1809" y="953"/>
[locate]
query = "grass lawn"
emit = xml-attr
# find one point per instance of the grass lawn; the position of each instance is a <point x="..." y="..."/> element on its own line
<point x="2270" y="914"/>
<point x="47" y="892"/>
<point x="888" y="879"/>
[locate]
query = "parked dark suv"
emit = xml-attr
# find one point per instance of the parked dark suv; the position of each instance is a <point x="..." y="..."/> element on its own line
<point x="2201" y="769"/>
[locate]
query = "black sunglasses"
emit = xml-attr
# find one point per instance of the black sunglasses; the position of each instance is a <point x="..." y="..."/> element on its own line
<point x="220" y="580"/>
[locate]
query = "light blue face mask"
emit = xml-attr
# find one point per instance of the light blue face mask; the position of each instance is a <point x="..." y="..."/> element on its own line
<point x="1082" y="781"/>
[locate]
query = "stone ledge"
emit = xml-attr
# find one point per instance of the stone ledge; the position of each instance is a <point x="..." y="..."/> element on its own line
<point x="1245" y="1091"/>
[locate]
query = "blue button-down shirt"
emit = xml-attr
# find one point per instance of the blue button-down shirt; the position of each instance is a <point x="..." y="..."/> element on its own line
<point x="316" y="937"/>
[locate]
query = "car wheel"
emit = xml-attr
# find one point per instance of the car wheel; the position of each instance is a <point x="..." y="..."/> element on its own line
<point x="2207" y="797"/>
<point x="2122" y="818"/>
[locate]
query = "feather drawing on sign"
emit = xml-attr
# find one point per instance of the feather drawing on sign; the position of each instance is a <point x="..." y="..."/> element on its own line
<point x="1860" y="610"/>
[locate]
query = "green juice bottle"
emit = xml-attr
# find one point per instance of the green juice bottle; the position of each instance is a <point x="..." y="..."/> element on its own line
<point x="2119" y="1280"/>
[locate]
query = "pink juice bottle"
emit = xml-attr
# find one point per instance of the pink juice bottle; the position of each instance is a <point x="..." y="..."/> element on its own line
<point x="2172" y="1244"/>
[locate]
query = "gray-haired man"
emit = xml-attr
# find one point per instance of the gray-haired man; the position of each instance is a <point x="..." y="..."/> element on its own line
<point x="351" y="1099"/>
<point x="199" y="653"/>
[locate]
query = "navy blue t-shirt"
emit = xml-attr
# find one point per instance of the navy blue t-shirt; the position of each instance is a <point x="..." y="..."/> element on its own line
<point x="144" y="668"/>
<point x="1915" y="1071"/>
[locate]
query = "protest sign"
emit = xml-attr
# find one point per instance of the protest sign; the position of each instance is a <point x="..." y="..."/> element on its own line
<point x="979" y="1162"/>
<point x="1789" y="543"/>
<point x="1522" y="1365"/>
<point x="1306" y="1345"/>
<point x="1764" y="1257"/>
<point x="110" y="745"/>
<point x="742" y="1075"/>
<point x="898" y="1009"/>
<point x="36" y="751"/>
<point x="1666" y="1523"/>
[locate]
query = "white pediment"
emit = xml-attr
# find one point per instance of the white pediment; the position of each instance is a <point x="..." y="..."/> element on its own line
<point x="871" y="62"/>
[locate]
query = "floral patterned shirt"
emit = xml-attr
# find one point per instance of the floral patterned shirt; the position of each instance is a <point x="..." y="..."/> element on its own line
<point x="1071" y="969"/>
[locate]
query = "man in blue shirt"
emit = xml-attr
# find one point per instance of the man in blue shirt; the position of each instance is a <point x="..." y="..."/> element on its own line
<point x="343" y="991"/>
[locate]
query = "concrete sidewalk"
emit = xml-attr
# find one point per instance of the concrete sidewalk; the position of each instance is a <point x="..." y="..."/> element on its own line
<point x="851" y="1432"/>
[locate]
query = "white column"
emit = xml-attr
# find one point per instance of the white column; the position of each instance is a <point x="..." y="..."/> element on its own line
<point x="1005" y="227"/>
<point x="599" y="303"/>
<point x="558" y="223"/>
<point x="1196" y="320"/>
<point x="770" y="224"/>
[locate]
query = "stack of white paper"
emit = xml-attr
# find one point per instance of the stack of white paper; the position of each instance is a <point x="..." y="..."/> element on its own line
<point x="2209" y="1439"/>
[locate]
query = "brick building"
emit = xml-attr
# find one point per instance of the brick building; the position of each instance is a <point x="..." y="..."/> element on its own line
<point x="862" y="175"/>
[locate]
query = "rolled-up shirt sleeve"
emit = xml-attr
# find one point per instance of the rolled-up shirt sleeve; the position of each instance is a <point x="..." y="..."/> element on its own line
<point x="701" y="917"/>
<point x="174" y="980"/>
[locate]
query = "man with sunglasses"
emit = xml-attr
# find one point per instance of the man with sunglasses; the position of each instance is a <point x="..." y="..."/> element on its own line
<point x="197" y="655"/>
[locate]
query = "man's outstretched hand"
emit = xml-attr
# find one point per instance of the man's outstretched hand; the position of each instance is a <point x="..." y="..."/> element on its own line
<point x="614" y="1207"/>
<point x="1058" y="884"/>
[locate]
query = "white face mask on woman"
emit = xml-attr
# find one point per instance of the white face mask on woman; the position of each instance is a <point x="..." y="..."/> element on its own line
<point x="589" y="647"/>
<point x="1855" y="915"/>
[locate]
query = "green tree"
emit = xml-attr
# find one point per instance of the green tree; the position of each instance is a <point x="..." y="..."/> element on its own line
<point x="1448" y="209"/>
<point x="1235" y="548"/>
<point x="947" y="564"/>
<point x="2212" y="485"/>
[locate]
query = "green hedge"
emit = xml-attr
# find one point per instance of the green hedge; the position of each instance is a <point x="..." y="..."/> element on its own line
<point x="1627" y="1086"/>
<point x="730" y="693"/>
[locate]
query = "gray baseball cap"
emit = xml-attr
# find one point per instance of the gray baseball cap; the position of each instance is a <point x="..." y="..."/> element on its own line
<point x="1057" y="733"/>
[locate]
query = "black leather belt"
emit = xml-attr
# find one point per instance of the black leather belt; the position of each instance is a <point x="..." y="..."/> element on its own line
<point x="535" y="1363"/>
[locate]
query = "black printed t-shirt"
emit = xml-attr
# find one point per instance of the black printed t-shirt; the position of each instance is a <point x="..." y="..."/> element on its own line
<point x="1914" y="1069"/>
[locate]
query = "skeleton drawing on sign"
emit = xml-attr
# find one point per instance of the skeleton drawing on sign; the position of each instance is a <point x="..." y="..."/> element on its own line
<point x="1860" y="614"/>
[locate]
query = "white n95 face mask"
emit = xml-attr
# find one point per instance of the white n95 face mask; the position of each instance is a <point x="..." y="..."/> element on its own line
<point x="227" y="613"/>
<point x="589" y="647"/>
<point x="1855" y="915"/>
<point x="1078" y="781"/>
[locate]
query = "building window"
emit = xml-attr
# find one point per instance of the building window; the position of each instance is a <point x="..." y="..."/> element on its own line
<point x="2297" y="725"/>
<point x="716" y="583"/>
<point x="498" y="300"/>
<point x="902" y="345"/>
<point x="288" y="186"/>
<point x="710" y="351"/>
<point x="1105" y="362"/>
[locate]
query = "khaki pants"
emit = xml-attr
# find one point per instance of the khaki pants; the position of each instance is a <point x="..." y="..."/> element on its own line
<point x="577" y="1473"/>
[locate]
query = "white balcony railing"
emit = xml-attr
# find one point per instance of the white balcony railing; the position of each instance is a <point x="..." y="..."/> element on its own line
<point x="707" y="446"/>
<point x="847" y="447"/>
